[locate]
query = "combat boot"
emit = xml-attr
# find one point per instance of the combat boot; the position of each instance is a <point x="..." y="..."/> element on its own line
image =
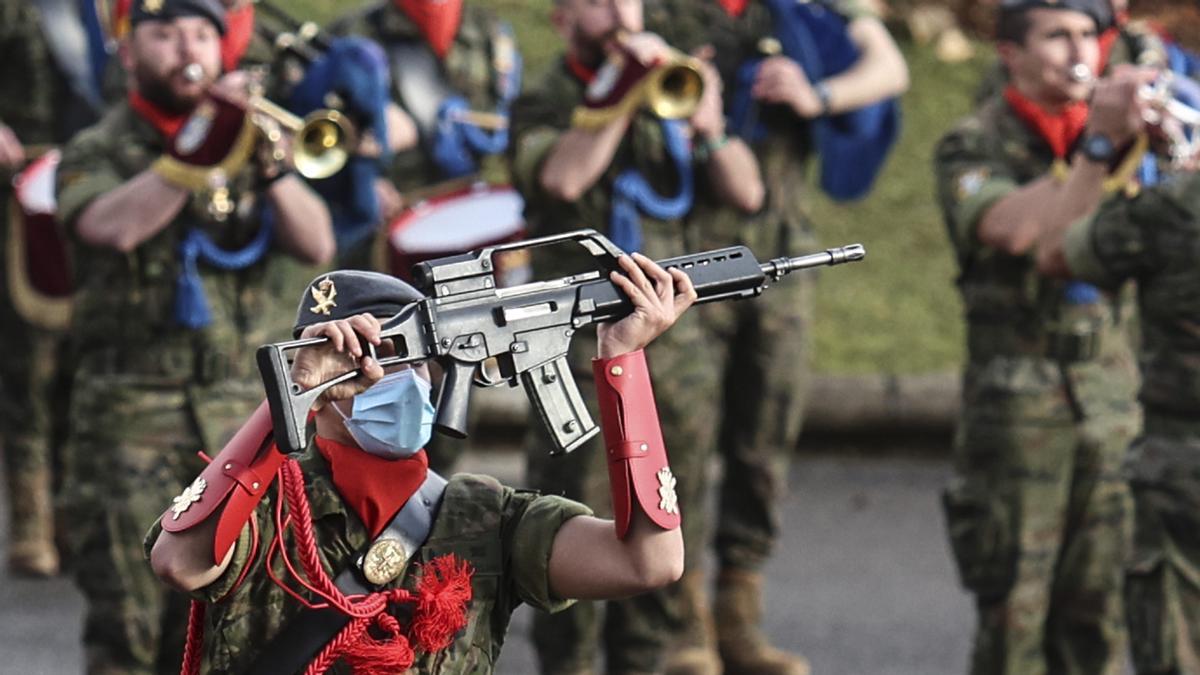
<point x="31" y="550"/>
<point x="743" y="646"/>
<point x="695" y="649"/>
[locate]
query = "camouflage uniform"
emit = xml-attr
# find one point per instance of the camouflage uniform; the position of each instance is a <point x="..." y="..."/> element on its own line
<point x="37" y="104"/>
<point x="1038" y="514"/>
<point x="682" y="364"/>
<point x="505" y="534"/>
<point x="1152" y="239"/>
<point x="767" y="340"/>
<point x="471" y="69"/>
<point x="148" y="393"/>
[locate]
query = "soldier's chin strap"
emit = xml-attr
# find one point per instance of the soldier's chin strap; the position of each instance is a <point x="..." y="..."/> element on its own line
<point x="633" y="445"/>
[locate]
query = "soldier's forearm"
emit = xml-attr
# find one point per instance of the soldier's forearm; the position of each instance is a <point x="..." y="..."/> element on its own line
<point x="880" y="73"/>
<point x="1014" y="223"/>
<point x="303" y="223"/>
<point x="1078" y="197"/>
<point x="131" y="214"/>
<point x="734" y="172"/>
<point x="579" y="158"/>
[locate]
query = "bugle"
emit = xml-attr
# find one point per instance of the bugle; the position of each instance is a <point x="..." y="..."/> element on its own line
<point x="321" y="141"/>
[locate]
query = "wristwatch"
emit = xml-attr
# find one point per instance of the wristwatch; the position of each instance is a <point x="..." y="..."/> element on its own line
<point x="823" y="94"/>
<point x="1098" y="148"/>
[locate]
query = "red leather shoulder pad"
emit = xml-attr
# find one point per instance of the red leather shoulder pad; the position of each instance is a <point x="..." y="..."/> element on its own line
<point x="637" y="457"/>
<point x="238" y="478"/>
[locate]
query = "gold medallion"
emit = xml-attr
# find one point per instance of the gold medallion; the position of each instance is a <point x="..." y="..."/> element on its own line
<point x="324" y="293"/>
<point x="152" y="6"/>
<point x="190" y="495"/>
<point x="384" y="561"/>
<point x="667" y="499"/>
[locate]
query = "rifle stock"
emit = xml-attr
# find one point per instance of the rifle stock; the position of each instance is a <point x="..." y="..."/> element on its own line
<point x="526" y="329"/>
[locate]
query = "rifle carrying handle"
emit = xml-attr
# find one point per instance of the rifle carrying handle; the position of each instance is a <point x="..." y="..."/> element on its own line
<point x="554" y="395"/>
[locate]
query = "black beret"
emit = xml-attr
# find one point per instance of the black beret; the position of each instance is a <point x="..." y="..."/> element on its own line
<point x="344" y="293"/>
<point x="1099" y="10"/>
<point x="165" y="10"/>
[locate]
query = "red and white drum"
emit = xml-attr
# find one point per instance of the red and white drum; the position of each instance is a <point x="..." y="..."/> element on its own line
<point x="461" y="221"/>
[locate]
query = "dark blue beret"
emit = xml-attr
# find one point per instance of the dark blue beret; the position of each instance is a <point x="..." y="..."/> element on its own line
<point x="1099" y="10"/>
<point x="344" y="293"/>
<point x="166" y="10"/>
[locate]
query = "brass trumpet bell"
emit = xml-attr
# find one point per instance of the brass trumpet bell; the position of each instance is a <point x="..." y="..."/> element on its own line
<point x="675" y="88"/>
<point x="321" y="141"/>
<point x="322" y="146"/>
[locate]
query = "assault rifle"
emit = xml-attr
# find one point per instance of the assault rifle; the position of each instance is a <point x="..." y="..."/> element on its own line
<point x="466" y="320"/>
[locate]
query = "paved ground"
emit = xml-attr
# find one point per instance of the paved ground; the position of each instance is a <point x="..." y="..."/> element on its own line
<point x="862" y="583"/>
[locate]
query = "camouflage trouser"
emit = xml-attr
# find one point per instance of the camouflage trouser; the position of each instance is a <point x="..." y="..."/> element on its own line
<point x="1162" y="583"/>
<point x="766" y="378"/>
<point x="636" y="630"/>
<point x="1038" y="518"/>
<point x="134" y="447"/>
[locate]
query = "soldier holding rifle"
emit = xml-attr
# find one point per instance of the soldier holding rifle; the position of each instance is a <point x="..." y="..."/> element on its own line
<point x="1038" y="513"/>
<point x="178" y="211"/>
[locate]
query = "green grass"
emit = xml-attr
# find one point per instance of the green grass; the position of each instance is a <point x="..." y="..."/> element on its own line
<point x="898" y="311"/>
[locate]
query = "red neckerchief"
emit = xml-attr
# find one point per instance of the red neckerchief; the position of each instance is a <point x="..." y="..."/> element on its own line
<point x="1060" y="131"/>
<point x="376" y="488"/>
<point x="239" y="30"/>
<point x="437" y="19"/>
<point x="579" y="70"/>
<point x="167" y="124"/>
<point x="734" y="8"/>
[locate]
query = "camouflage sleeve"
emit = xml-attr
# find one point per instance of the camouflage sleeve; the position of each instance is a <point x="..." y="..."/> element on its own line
<point x="538" y="120"/>
<point x="1128" y="238"/>
<point x="27" y="74"/>
<point x="531" y="542"/>
<point x="970" y="177"/>
<point x="86" y="172"/>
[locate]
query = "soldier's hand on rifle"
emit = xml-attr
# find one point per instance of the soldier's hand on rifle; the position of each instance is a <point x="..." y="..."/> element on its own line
<point x="709" y="119"/>
<point x="782" y="80"/>
<point x="659" y="297"/>
<point x="341" y="354"/>
<point x="12" y="155"/>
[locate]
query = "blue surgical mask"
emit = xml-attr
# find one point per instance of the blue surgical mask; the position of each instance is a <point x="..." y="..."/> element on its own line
<point x="394" y="417"/>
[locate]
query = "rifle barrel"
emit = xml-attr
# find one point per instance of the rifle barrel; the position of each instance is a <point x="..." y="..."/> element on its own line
<point x="831" y="256"/>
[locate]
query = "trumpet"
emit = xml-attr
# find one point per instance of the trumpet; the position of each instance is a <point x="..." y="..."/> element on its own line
<point x="321" y="141"/>
<point x="670" y="89"/>
<point x="1171" y="120"/>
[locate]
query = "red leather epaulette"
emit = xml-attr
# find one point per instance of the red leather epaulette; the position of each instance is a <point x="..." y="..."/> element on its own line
<point x="633" y="443"/>
<point x="238" y="478"/>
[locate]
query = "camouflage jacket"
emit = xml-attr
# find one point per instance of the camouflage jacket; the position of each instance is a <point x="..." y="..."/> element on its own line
<point x="1022" y="334"/>
<point x="124" y="317"/>
<point x="1153" y="239"/>
<point x="481" y="51"/>
<point x="506" y="535"/>
<point x="35" y="98"/>
<point x="782" y="226"/>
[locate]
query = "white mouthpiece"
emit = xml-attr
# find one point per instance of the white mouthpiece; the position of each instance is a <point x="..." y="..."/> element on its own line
<point x="193" y="72"/>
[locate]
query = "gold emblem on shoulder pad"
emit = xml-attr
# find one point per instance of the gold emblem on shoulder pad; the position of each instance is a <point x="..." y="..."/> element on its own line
<point x="323" y="293"/>
<point x="667" y="499"/>
<point x="190" y="495"/>
<point x="384" y="561"/>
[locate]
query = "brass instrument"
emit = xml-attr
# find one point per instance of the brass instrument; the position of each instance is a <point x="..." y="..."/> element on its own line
<point x="321" y="141"/>
<point x="675" y="88"/>
<point x="1174" y="123"/>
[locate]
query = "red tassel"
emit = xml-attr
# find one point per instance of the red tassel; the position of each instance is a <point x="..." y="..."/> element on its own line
<point x="443" y="594"/>
<point x="384" y="655"/>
